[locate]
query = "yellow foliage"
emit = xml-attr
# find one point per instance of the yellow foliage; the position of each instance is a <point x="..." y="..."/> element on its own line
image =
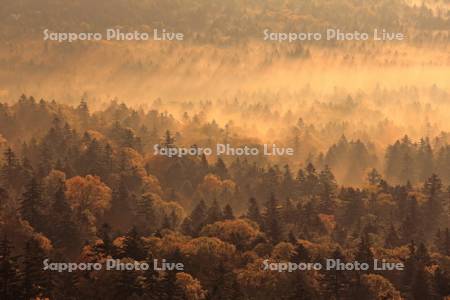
<point x="192" y="287"/>
<point x="379" y="287"/>
<point x="240" y="232"/>
<point x="88" y="193"/>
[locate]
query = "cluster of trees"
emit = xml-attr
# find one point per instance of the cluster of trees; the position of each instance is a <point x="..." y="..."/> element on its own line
<point x="216" y="21"/>
<point x="85" y="187"/>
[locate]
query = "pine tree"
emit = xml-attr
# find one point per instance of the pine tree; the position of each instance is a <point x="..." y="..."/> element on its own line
<point x="32" y="203"/>
<point x="133" y="246"/>
<point x="169" y="140"/>
<point x="289" y="212"/>
<point x="146" y="216"/>
<point x="152" y="284"/>
<point x="127" y="285"/>
<point x="301" y="288"/>
<point x="442" y="282"/>
<point x="253" y="212"/>
<point x="10" y="171"/>
<point x="9" y="271"/>
<point x="410" y="266"/>
<point x="107" y="247"/>
<point x="169" y="286"/>
<point x="410" y="227"/>
<point x="228" y="213"/>
<point x="171" y="289"/>
<point x="64" y="231"/>
<point x="222" y="283"/>
<point x="392" y="240"/>
<point x="374" y="178"/>
<point x="220" y="169"/>
<point x="327" y="192"/>
<point x="83" y="112"/>
<point x="272" y="220"/>
<point x="445" y="243"/>
<point x="421" y="287"/>
<point x="92" y="159"/>
<point x="288" y="183"/>
<point x="336" y="283"/>
<point x="197" y="219"/>
<point x="301" y="254"/>
<point x="166" y="224"/>
<point x="45" y="160"/>
<point x="422" y="255"/>
<point x="214" y="213"/>
<point x="300" y="181"/>
<point x="425" y="160"/>
<point x="364" y="253"/>
<point x="36" y="282"/>
<point x="433" y="190"/>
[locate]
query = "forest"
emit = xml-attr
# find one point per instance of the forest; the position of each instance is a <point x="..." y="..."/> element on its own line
<point x="81" y="182"/>
<point x="85" y="186"/>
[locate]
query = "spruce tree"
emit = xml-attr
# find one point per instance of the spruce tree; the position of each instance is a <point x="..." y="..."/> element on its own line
<point x="170" y="289"/>
<point x="392" y="240"/>
<point x="214" y="213"/>
<point x="364" y="252"/>
<point x="107" y="247"/>
<point x="10" y="171"/>
<point x="433" y="189"/>
<point x="152" y="284"/>
<point x="127" y="285"/>
<point x="228" y="213"/>
<point x="336" y="283"/>
<point x="64" y="231"/>
<point x="32" y="203"/>
<point x="253" y="211"/>
<point x="9" y="271"/>
<point x="220" y="169"/>
<point x="272" y="220"/>
<point x="197" y="219"/>
<point x="36" y="282"/>
<point x="133" y="246"/>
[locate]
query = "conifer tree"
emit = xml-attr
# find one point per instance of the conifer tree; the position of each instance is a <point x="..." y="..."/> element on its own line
<point x="392" y="240"/>
<point x="253" y="212"/>
<point x="35" y="281"/>
<point x="133" y="246"/>
<point x="311" y="180"/>
<point x="170" y="289"/>
<point x="364" y="252"/>
<point x="9" y="271"/>
<point x="220" y="169"/>
<point x="214" y="213"/>
<point x="107" y="247"/>
<point x="272" y="220"/>
<point x="433" y="190"/>
<point x="10" y="171"/>
<point x="288" y="183"/>
<point x="152" y="285"/>
<point x="32" y="203"/>
<point x="63" y="229"/>
<point x="146" y="216"/>
<point x="127" y="285"/>
<point x="442" y="282"/>
<point x="228" y="213"/>
<point x="197" y="219"/>
<point x="421" y="287"/>
<point x="336" y="283"/>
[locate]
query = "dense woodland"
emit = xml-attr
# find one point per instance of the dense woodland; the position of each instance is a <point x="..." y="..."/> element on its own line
<point x="368" y="122"/>
<point x="214" y="21"/>
<point x="82" y="185"/>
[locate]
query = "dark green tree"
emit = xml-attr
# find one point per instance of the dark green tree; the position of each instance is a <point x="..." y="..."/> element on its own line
<point x="31" y="205"/>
